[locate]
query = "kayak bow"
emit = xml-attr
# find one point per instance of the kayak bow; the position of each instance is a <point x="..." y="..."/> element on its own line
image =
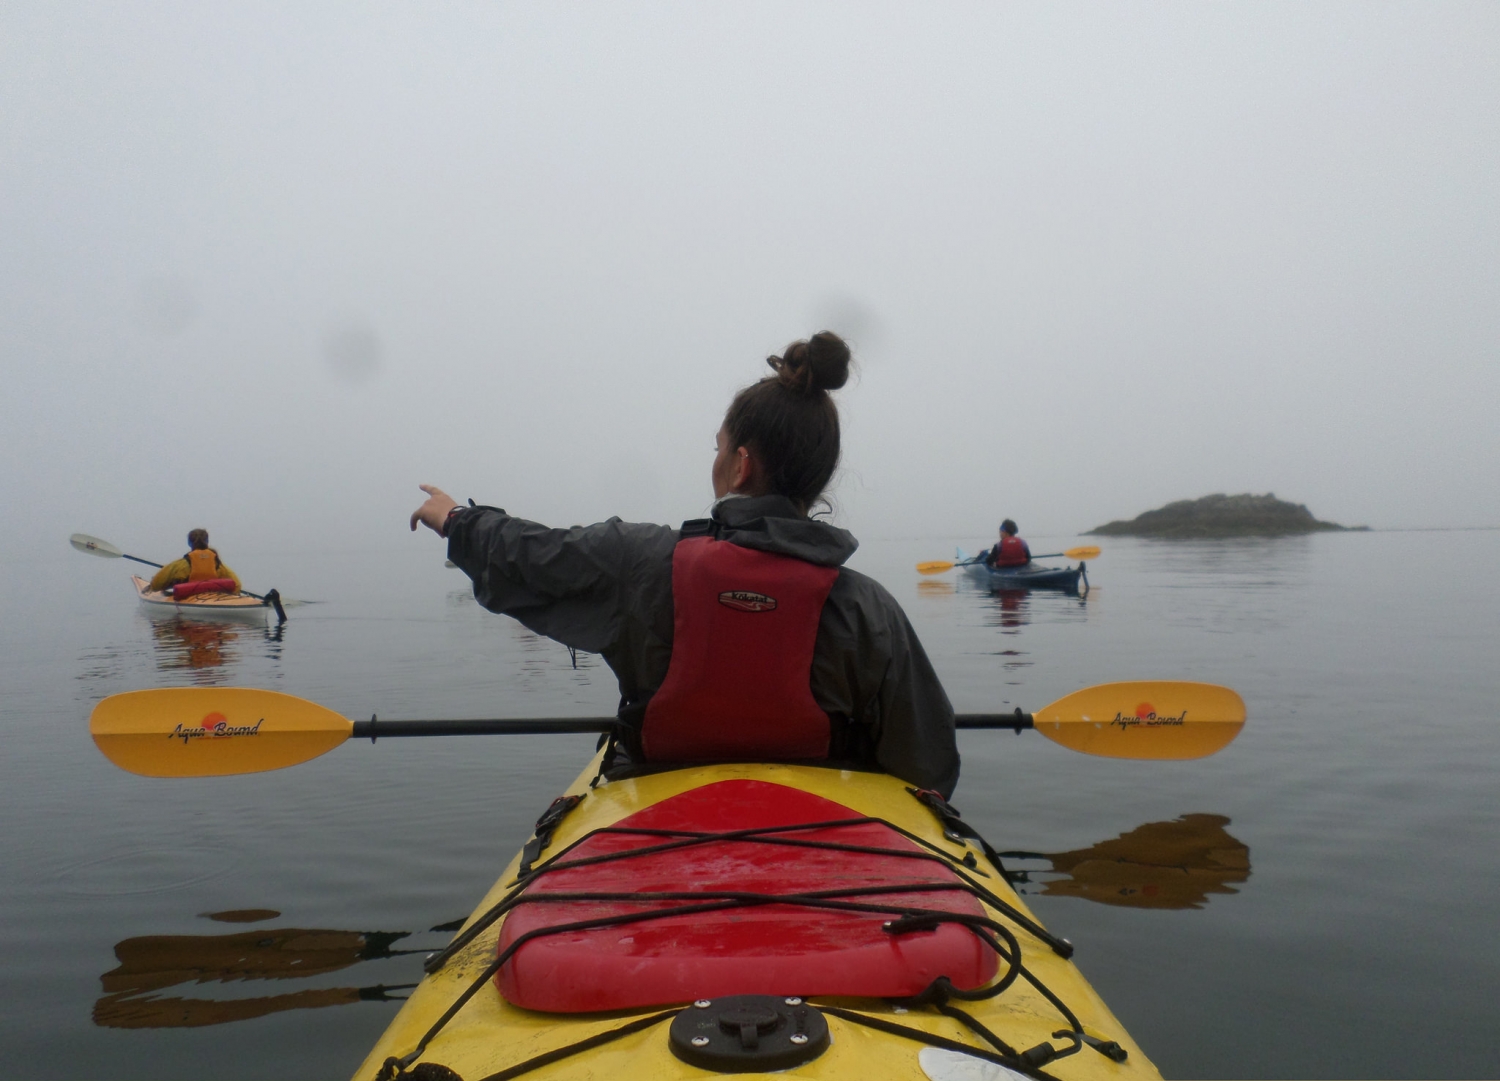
<point x="751" y="918"/>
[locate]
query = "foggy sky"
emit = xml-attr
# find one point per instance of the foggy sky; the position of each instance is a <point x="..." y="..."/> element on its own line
<point x="266" y="268"/>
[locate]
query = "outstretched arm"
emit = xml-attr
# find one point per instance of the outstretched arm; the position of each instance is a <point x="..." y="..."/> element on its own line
<point x="434" y="513"/>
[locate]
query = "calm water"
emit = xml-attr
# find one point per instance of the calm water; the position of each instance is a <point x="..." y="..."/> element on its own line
<point x="1334" y="915"/>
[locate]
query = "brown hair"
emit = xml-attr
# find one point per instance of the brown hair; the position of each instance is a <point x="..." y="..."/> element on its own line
<point x="789" y="421"/>
<point x="197" y="538"/>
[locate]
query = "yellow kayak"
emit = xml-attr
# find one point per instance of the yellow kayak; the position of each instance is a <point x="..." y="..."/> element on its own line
<point x="757" y="918"/>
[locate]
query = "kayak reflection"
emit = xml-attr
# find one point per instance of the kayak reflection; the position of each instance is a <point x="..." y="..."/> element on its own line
<point x="201" y="647"/>
<point x="154" y="962"/>
<point x="1173" y="864"/>
<point x="1013" y="607"/>
<point x="194" y="644"/>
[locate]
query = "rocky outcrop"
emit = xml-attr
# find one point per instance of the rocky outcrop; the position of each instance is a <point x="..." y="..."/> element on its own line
<point x="1221" y="516"/>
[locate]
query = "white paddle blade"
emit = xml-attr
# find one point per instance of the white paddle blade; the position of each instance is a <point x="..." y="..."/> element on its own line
<point x="94" y="546"/>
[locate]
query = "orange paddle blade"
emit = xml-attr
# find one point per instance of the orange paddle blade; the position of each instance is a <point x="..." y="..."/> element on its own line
<point x="212" y="731"/>
<point x="935" y="566"/>
<point x="1145" y="719"/>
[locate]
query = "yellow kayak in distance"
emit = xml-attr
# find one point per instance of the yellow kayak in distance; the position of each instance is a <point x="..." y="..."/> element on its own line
<point x="753" y="918"/>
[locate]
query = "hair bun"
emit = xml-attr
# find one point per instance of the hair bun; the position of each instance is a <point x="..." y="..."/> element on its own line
<point x="819" y="364"/>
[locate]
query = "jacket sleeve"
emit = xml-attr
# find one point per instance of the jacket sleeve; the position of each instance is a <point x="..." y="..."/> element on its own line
<point x="870" y="667"/>
<point x="918" y="740"/>
<point x="573" y="585"/>
<point x="174" y="572"/>
<point x="224" y="567"/>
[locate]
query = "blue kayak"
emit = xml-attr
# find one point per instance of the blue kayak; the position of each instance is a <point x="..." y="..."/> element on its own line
<point x="1029" y="576"/>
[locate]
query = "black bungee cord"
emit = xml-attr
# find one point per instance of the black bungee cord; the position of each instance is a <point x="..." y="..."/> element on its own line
<point x="939" y="994"/>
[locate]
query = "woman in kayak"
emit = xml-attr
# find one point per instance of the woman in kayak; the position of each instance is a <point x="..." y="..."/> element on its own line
<point x="201" y="564"/>
<point x="1010" y="551"/>
<point x="739" y="636"/>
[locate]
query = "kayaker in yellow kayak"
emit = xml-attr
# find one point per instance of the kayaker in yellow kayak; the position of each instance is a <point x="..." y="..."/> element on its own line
<point x="200" y="564"/>
<point x="740" y="636"/>
<point x="1010" y="550"/>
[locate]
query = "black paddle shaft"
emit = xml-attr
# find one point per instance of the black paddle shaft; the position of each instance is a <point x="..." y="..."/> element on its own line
<point x="516" y="726"/>
<point x="1016" y="721"/>
<point x="536" y="726"/>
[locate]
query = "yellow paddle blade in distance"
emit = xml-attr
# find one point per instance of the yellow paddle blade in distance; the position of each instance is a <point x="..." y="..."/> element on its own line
<point x="1088" y="551"/>
<point x="935" y="566"/>
<point x="212" y="731"/>
<point x="1145" y="719"/>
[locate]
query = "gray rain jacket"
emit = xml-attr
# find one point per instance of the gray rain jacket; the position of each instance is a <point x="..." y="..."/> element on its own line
<point x="607" y="589"/>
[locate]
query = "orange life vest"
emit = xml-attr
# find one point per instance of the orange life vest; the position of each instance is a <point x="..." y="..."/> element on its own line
<point x="738" y="685"/>
<point x="203" y="564"/>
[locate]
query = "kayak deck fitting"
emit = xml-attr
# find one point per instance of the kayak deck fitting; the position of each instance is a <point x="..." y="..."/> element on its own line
<point x="753" y="918"/>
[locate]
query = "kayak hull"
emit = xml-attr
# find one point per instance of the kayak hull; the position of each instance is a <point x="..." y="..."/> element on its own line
<point x="232" y="606"/>
<point x="488" y="1034"/>
<point x="1030" y="576"/>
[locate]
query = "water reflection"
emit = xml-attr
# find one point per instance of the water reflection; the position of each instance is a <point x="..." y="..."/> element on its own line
<point x="1173" y="864"/>
<point x="242" y="915"/>
<point x="198" y="645"/>
<point x="152" y="963"/>
<point x="201" y="648"/>
<point x="1013" y="608"/>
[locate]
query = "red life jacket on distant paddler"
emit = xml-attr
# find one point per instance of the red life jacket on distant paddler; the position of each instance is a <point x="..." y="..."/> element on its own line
<point x="739" y="682"/>
<point x="1011" y="551"/>
<point x="203" y="564"/>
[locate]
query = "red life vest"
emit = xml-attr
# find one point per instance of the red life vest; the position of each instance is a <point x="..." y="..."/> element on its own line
<point x="203" y="564"/>
<point x="183" y="590"/>
<point x="1011" y="551"/>
<point x="739" y="682"/>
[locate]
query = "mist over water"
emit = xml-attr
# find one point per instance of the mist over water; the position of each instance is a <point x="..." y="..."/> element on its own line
<point x="268" y="269"/>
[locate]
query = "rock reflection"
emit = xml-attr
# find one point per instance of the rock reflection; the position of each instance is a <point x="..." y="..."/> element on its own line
<point x="152" y="963"/>
<point x="1173" y="864"/>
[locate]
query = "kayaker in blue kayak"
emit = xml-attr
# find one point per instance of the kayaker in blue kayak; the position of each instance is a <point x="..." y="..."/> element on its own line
<point x="1010" y="551"/>
<point x="200" y="564"/>
<point x="740" y="636"/>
